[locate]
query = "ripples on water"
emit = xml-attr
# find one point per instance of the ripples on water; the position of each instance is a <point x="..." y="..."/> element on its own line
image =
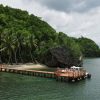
<point x="21" y="87"/>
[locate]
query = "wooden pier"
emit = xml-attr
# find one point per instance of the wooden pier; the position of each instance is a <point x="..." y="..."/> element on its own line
<point x="69" y="75"/>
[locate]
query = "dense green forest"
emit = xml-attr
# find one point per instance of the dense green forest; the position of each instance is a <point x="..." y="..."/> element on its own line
<point x="27" y="38"/>
<point x="88" y="47"/>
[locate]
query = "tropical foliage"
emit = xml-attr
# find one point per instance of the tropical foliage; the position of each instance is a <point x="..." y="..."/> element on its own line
<point x="88" y="47"/>
<point x="26" y="38"/>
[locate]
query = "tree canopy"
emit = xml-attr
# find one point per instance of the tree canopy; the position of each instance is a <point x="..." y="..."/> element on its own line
<point x="27" y="38"/>
<point x="88" y="47"/>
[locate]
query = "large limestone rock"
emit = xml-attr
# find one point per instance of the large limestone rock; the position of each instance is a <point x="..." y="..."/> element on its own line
<point x="60" y="57"/>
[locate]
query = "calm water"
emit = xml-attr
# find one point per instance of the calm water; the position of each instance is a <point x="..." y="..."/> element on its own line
<point x="20" y="87"/>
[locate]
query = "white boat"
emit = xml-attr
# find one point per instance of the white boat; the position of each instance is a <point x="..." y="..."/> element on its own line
<point x="87" y="75"/>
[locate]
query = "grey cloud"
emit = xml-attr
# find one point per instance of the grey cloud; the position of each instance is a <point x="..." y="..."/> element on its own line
<point x="70" y="5"/>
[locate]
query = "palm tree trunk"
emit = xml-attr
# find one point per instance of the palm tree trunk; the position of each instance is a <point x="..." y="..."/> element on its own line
<point x="31" y="56"/>
<point x="15" y="56"/>
<point x="20" y="55"/>
<point x="10" y="58"/>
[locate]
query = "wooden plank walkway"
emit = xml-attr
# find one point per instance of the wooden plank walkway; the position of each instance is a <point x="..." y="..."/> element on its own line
<point x="45" y="74"/>
<point x="69" y="75"/>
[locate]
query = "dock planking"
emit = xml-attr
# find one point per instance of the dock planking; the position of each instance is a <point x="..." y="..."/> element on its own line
<point x="68" y="76"/>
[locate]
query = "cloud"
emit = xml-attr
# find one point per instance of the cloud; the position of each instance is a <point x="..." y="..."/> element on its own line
<point x="71" y="5"/>
<point x="73" y="17"/>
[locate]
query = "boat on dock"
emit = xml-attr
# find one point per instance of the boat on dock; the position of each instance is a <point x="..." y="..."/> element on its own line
<point x="72" y="74"/>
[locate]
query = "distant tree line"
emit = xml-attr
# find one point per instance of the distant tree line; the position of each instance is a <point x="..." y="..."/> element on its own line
<point x="88" y="47"/>
<point x="26" y="38"/>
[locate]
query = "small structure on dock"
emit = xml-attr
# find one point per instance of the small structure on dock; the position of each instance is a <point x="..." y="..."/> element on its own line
<point x="72" y="74"/>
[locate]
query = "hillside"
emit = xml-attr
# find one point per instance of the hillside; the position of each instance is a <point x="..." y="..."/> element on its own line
<point x="27" y="38"/>
<point x="88" y="47"/>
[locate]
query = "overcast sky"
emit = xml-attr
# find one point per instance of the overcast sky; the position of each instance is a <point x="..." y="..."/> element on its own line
<point x="73" y="17"/>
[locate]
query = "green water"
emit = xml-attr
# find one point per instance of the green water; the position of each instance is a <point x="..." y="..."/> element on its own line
<point x="20" y="87"/>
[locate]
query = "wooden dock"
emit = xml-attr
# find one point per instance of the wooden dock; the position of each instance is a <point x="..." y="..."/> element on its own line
<point x="69" y="75"/>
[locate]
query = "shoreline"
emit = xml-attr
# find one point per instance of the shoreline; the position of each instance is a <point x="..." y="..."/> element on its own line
<point x="25" y="66"/>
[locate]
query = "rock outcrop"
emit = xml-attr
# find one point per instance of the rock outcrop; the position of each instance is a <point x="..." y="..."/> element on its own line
<point x="60" y="57"/>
